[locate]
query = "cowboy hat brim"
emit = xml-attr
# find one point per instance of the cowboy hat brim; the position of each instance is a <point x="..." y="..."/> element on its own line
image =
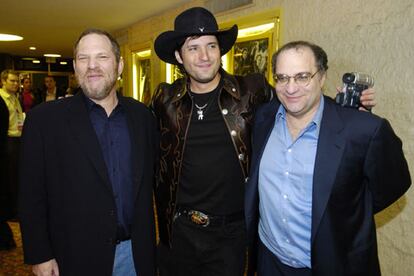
<point x="166" y="43"/>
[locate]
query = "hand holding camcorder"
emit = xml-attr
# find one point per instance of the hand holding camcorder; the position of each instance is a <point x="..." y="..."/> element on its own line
<point x="353" y="85"/>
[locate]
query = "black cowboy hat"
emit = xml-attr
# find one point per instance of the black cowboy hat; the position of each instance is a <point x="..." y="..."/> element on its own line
<point x="194" y="21"/>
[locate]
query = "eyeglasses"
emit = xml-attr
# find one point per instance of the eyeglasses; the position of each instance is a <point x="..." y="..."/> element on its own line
<point x="301" y="79"/>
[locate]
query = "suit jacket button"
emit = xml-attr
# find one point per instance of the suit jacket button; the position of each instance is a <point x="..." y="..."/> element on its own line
<point x="112" y="213"/>
<point x="241" y="156"/>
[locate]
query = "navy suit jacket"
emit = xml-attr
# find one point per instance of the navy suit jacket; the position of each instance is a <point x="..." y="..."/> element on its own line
<point x="359" y="170"/>
<point x="67" y="207"/>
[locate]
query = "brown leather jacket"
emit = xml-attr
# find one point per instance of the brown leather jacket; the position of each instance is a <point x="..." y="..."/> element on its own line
<point x="173" y="106"/>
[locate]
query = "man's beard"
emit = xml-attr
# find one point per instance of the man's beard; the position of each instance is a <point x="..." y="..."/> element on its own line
<point x="101" y="92"/>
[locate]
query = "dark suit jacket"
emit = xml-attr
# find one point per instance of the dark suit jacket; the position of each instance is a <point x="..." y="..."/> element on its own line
<point x="359" y="170"/>
<point x="67" y="208"/>
<point x="4" y="127"/>
<point x="60" y="93"/>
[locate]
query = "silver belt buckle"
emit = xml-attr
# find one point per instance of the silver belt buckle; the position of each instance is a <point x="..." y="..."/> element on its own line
<point x="199" y="218"/>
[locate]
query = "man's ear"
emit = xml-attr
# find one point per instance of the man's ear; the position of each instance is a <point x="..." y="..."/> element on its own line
<point x="120" y="66"/>
<point x="178" y="57"/>
<point x="322" y="79"/>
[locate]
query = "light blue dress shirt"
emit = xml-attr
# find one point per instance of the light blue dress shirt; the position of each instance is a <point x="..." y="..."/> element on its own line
<point x="285" y="190"/>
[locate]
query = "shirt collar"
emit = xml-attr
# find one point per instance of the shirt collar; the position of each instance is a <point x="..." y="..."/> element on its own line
<point x="4" y="93"/>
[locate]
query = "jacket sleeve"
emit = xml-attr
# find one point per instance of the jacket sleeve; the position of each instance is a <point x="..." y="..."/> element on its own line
<point x="33" y="212"/>
<point x="386" y="168"/>
<point x="266" y="93"/>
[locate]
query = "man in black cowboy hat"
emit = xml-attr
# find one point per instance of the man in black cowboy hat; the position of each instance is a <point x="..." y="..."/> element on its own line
<point x="205" y="120"/>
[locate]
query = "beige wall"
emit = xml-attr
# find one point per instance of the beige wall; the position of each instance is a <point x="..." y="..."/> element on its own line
<point x="373" y="36"/>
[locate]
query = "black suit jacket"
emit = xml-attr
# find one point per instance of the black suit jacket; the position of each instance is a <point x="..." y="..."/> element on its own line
<point x="4" y="127"/>
<point x="67" y="208"/>
<point x="60" y="93"/>
<point x="359" y="170"/>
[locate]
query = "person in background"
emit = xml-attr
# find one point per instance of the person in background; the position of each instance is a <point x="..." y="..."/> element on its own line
<point x="6" y="235"/>
<point x="205" y="120"/>
<point x="87" y="174"/>
<point x="73" y="86"/>
<point x="28" y="98"/>
<point x="51" y="92"/>
<point x="319" y="174"/>
<point x="8" y="93"/>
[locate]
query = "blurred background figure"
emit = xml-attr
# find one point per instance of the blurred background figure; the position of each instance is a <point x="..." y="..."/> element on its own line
<point x="11" y="123"/>
<point x="73" y="86"/>
<point x="6" y="236"/>
<point x="28" y="99"/>
<point x="51" y="92"/>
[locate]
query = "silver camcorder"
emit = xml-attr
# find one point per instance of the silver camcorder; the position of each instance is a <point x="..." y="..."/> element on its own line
<point x="353" y="85"/>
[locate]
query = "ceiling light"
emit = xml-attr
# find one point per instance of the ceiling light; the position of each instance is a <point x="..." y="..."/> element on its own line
<point x="145" y="53"/>
<point x="36" y="61"/>
<point x="32" y="48"/>
<point x="52" y="55"/>
<point x="63" y="63"/>
<point x="9" y="37"/>
<point x="28" y="58"/>
<point x="256" y="30"/>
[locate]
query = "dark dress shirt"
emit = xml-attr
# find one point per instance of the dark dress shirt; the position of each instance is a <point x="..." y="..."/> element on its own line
<point x="114" y="138"/>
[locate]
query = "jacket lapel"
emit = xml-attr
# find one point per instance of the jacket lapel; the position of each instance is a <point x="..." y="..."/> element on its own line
<point x="331" y="146"/>
<point x="83" y="132"/>
<point x="263" y="127"/>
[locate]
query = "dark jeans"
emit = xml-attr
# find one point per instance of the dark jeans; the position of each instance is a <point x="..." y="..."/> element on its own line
<point x="211" y="250"/>
<point x="269" y="265"/>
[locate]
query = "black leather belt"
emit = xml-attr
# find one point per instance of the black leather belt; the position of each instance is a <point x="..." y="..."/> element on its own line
<point x="202" y="219"/>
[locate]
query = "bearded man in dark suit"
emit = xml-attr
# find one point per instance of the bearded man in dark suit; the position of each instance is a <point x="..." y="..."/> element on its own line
<point x="87" y="174"/>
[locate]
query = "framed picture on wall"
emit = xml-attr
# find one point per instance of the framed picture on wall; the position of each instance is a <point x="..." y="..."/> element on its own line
<point x="141" y="76"/>
<point x="145" y="80"/>
<point x="251" y="56"/>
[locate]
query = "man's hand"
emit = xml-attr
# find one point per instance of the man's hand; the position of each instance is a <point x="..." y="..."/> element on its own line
<point x="49" y="268"/>
<point x="368" y="99"/>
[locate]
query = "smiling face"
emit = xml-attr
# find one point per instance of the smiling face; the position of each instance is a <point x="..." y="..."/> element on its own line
<point x="201" y="59"/>
<point x="95" y="65"/>
<point x="299" y="101"/>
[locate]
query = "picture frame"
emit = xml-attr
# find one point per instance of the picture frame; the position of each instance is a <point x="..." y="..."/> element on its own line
<point x="145" y="80"/>
<point x="142" y="75"/>
<point x="252" y="55"/>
